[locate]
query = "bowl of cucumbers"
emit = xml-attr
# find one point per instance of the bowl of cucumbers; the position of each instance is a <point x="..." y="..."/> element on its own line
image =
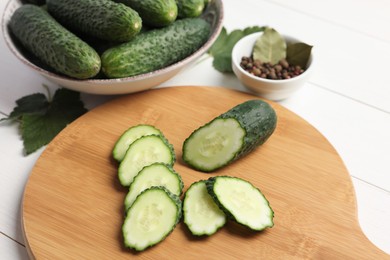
<point x="110" y="46"/>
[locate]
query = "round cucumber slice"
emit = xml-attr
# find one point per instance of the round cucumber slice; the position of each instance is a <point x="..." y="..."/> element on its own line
<point x="152" y="217"/>
<point x="201" y="215"/>
<point x="156" y="174"/>
<point x="241" y="201"/>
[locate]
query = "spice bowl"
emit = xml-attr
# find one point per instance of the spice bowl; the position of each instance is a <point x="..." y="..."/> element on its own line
<point x="272" y="89"/>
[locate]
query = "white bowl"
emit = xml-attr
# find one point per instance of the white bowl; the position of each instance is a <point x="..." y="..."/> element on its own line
<point x="213" y="14"/>
<point x="267" y="88"/>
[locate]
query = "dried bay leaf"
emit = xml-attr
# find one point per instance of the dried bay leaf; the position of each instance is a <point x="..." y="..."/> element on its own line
<point x="298" y="54"/>
<point x="222" y="48"/>
<point x="270" y="47"/>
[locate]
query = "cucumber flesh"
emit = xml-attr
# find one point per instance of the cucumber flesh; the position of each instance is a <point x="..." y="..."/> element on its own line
<point x="156" y="174"/>
<point x="142" y="152"/>
<point x="201" y="215"/>
<point x="152" y="217"/>
<point x="241" y="201"/>
<point x="129" y="136"/>
<point x="214" y="145"/>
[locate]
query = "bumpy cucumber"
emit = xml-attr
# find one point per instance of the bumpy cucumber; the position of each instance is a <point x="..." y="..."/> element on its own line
<point x="156" y="174"/>
<point x="155" y="13"/>
<point x="230" y="136"/>
<point x="129" y="136"/>
<point x="103" y="19"/>
<point x="241" y="201"/>
<point x="201" y="214"/>
<point x="155" y="49"/>
<point x="52" y="44"/>
<point x="152" y="217"/>
<point x="190" y="8"/>
<point x="142" y="152"/>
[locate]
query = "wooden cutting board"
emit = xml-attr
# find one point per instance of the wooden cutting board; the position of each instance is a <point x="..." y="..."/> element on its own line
<point x="73" y="202"/>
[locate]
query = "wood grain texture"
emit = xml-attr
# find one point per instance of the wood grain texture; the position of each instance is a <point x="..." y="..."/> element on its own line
<point x="73" y="202"/>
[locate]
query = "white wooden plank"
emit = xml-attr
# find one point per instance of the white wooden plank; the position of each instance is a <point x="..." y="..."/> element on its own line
<point x="354" y="15"/>
<point x="374" y="213"/>
<point x="10" y="250"/>
<point x="14" y="172"/>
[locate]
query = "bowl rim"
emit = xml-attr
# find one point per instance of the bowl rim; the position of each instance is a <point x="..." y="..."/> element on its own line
<point x="177" y="65"/>
<point x="252" y="37"/>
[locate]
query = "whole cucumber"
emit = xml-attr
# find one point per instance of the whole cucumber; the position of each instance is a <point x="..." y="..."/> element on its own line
<point x="52" y="44"/>
<point x="103" y="19"/>
<point x="155" y="49"/>
<point x="190" y="8"/>
<point x="155" y="13"/>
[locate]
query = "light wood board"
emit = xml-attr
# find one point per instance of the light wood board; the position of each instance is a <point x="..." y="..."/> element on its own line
<point x="73" y="202"/>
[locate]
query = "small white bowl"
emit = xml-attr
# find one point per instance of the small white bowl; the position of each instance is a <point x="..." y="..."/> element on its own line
<point x="212" y="14"/>
<point x="267" y="88"/>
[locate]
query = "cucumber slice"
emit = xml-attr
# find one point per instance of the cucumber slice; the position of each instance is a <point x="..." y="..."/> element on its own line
<point x="142" y="152"/>
<point x="201" y="215"/>
<point x="152" y="217"/>
<point x="229" y="136"/>
<point x="129" y="136"/>
<point x="156" y="174"/>
<point x="241" y="201"/>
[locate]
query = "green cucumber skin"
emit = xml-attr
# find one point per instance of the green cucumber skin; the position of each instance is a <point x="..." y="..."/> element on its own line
<point x="155" y="13"/>
<point x="256" y="117"/>
<point x="103" y="19"/>
<point x="190" y="8"/>
<point x="155" y="49"/>
<point x="210" y="189"/>
<point x="176" y="200"/>
<point x="53" y="44"/>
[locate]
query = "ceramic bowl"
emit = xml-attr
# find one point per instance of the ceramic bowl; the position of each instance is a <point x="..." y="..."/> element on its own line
<point x="267" y="88"/>
<point x="212" y="14"/>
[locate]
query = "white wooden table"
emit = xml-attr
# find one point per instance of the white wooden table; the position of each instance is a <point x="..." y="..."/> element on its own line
<point x="347" y="100"/>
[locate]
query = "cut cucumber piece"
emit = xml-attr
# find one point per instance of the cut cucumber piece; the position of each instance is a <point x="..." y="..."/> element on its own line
<point x="201" y="214"/>
<point x="129" y="136"/>
<point x="156" y="174"/>
<point x="152" y="217"/>
<point x="142" y="152"/>
<point x="230" y="136"/>
<point x="214" y="145"/>
<point x="241" y="201"/>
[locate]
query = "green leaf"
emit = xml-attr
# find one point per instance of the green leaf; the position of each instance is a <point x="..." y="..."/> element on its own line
<point x="41" y="120"/>
<point x="298" y="54"/>
<point x="222" y="48"/>
<point x="270" y="47"/>
<point x="33" y="104"/>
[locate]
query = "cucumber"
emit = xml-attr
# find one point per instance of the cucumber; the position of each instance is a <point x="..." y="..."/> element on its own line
<point x="201" y="214"/>
<point x="129" y="136"/>
<point x="241" y="201"/>
<point x="229" y="136"/>
<point x="156" y="174"/>
<point x="103" y="19"/>
<point x="190" y="8"/>
<point x="52" y="44"/>
<point x="155" y="49"/>
<point x="155" y="13"/>
<point x="142" y="152"/>
<point x="152" y="217"/>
